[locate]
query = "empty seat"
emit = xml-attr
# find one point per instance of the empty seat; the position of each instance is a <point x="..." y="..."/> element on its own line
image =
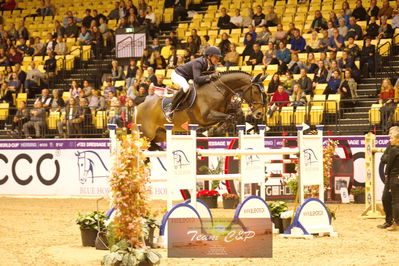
<point x="374" y="114"/>
<point x="300" y="115"/>
<point x="316" y="115"/>
<point x="286" y="115"/>
<point x="333" y="103"/>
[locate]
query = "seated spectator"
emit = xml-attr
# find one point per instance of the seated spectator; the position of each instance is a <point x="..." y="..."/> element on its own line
<point x="333" y="67"/>
<point x="116" y="71"/>
<point x="22" y="48"/>
<point x="157" y="61"/>
<point x="274" y="84"/>
<point x="271" y="18"/>
<point x="84" y="116"/>
<point x="332" y="56"/>
<point x="204" y="45"/>
<point x="323" y="57"/>
<point x="342" y="29"/>
<point x="70" y="120"/>
<point x="38" y="47"/>
<point x="289" y="82"/>
<point x="353" y="48"/>
<point x="109" y="88"/>
<point x="344" y="16"/>
<point x="160" y="79"/>
<point x="248" y="50"/>
<point x="8" y="5"/>
<point x="318" y="22"/>
<point x="141" y="94"/>
<point x="395" y="20"/>
<point x="84" y="37"/>
<point x="232" y="57"/>
<point x="71" y="30"/>
<point x="166" y="49"/>
<point x="333" y="83"/>
<point x="114" y="14"/>
<point x="258" y="19"/>
<point x="347" y="62"/>
<point x="45" y="98"/>
<point x="86" y="88"/>
<point x="97" y="41"/>
<point x="313" y="44"/>
<point x="280" y="34"/>
<point x="348" y="89"/>
<point x="373" y="10"/>
<point x="86" y="21"/>
<point x="96" y="101"/>
<point x="321" y="73"/>
<point x="196" y="38"/>
<point x="132" y="22"/>
<point x="131" y="73"/>
<point x="367" y="58"/>
<point x="3" y="58"/>
<point x="386" y="96"/>
<point x="330" y="29"/>
<point x="237" y="19"/>
<point x="323" y="43"/>
<point x="74" y="89"/>
<point x="310" y="64"/>
<point x="60" y="48"/>
<point x="247" y="20"/>
<point x="298" y="96"/>
<point x="336" y="42"/>
<point x="133" y="90"/>
<point x="37" y="121"/>
<point x="359" y="13"/>
<point x="50" y="64"/>
<point x="59" y="30"/>
<point x="172" y="60"/>
<point x="385" y="31"/>
<point x="305" y="82"/>
<point x="279" y="99"/>
<point x="251" y="31"/>
<point x="283" y="57"/>
<point x="111" y="97"/>
<point x="57" y="103"/>
<point x="12" y="32"/>
<point x="298" y="43"/>
<point x="224" y="45"/>
<point x="21" y="74"/>
<point x="103" y="27"/>
<point x="151" y="16"/>
<point x="32" y="80"/>
<point x="264" y="36"/>
<point x="151" y="94"/>
<point x="174" y="41"/>
<point x="14" y="57"/>
<point x="145" y="59"/>
<point x="333" y="18"/>
<point x="386" y="10"/>
<point x="354" y="30"/>
<point x="191" y="46"/>
<point x="270" y="56"/>
<point x="14" y="84"/>
<point x="6" y="95"/>
<point x="115" y="114"/>
<point x="50" y="44"/>
<point x="22" y="32"/>
<point x="256" y="57"/>
<point x="122" y="23"/>
<point x="290" y="32"/>
<point x="346" y="8"/>
<point x="295" y="65"/>
<point x="20" y="118"/>
<point x="128" y="112"/>
<point x="151" y="75"/>
<point x="224" y="20"/>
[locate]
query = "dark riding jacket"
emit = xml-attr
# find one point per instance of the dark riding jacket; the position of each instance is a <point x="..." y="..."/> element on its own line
<point x="194" y="69"/>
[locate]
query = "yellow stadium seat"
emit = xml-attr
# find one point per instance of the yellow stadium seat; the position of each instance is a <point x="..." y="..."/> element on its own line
<point x="53" y="119"/>
<point x="66" y="95"/>
<point x="274" y="119"/>
<point x="319" y="100"/>
<point x="286" y="115"/>
<point x="247" y="69"/>
<point x="316" y="115"/>
<point x="333" y="103"/>
<point x="4" y="111"/>
<point x="374" y="114"/>
<point x="119" y="83"/>
<point x="100" y="119"/>
<point x="271" y="69"/>
<point x="160" y="72"/>
<point x="320" y="88"/>
<point x="300" y="115"/>
<point x="396" y="115"/>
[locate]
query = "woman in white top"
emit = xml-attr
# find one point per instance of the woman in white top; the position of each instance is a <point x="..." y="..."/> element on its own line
<point x="236" y="19"/>
<point x="151" y="15"/>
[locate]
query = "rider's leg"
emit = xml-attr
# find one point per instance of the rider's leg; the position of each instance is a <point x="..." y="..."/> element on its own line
<point x="184" y="87"/>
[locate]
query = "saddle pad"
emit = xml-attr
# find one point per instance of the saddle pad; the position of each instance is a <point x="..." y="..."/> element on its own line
<point x="187" y="102"/>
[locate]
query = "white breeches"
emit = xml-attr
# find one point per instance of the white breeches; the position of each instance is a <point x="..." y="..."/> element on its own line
<point x="180" y="81"/>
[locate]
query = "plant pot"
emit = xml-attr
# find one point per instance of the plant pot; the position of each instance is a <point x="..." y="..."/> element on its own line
<point x="88" y="237"/>
<point x="285" y="223"/>
<point x="230" y="203"/>
<point x="211" y="202"/>
<point x="101" y="242"/>
<point x="150" y="240"/>
<point x="145" y="263"/>
<point x="278" y="224"/>
<point x="360" y="198"/>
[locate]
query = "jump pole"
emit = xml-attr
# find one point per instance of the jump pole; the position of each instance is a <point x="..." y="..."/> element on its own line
<point x="372" y="209"/>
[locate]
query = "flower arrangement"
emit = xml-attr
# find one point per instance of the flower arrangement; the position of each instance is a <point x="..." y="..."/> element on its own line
<point x="328" y="155"/>
<point x="355" y="191"/>
<point x="230" y="196"/>
<point x="207" y="193"/>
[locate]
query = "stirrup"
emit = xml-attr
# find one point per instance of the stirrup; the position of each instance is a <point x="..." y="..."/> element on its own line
<point x="169" y="116"/>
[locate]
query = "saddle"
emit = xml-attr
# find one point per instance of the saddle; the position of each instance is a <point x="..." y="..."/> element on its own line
<point x="186" y="103"/>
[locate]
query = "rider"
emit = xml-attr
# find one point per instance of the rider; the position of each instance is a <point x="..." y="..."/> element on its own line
<point x="193" y="70"/>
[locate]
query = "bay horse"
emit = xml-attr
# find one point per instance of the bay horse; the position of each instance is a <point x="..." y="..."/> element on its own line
<point x="209" y="107"/>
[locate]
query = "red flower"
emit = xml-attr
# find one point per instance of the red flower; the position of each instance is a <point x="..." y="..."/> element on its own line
<point x="208" y="193"/>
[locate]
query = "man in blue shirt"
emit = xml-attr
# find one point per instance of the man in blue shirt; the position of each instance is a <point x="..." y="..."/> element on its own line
<point x="251" y="30"/>
<point x="336" y="42"/>
<point x="298" y="43"/>
<point x="333" y="83"/>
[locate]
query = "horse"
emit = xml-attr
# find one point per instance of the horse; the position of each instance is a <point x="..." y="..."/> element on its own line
<point x="209" y="107"/>
<point x="87" y="166"/>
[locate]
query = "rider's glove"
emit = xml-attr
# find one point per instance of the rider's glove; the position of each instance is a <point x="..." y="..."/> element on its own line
<point x="214" y="76"/>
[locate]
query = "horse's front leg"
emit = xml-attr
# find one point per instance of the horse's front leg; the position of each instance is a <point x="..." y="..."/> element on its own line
<point x="217" y="116"/>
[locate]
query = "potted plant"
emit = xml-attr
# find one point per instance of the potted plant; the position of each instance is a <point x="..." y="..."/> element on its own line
<point x="276" y="208"/>
<point x="358" y="194"/>
<point x="230" y="201"/>
<point x="122" y="253"/>
<point x="209" y="197"/>
<point x="148" y="227"/>
<point x="90" y="224"/>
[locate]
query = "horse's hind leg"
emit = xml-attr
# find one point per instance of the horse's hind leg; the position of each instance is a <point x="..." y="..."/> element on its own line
<point x="160" y="136"/>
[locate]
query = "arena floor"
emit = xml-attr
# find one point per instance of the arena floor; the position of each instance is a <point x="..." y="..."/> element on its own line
<point x="43" y="232"/>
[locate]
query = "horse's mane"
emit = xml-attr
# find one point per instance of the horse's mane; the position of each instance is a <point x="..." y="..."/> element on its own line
<point x="234" y="72"/>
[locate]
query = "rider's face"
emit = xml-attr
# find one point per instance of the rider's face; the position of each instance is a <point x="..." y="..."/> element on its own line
<point x="214" y="59"/>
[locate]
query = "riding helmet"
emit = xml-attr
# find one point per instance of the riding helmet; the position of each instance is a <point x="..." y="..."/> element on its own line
<point x="212" y="50"/>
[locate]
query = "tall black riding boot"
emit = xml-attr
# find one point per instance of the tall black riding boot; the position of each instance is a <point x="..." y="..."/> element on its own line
<point x="175" y="102"/>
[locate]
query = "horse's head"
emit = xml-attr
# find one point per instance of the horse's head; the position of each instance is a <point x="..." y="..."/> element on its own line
<point x="255" y="97"/>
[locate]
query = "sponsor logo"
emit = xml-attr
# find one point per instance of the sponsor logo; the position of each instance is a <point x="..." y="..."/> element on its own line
<point x="310" y="157"/>
<point x="90" y="166"/>
<point x="180" y="159"/>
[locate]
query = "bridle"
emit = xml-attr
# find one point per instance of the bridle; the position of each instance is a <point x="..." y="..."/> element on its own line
<point x="251" y="103"/>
